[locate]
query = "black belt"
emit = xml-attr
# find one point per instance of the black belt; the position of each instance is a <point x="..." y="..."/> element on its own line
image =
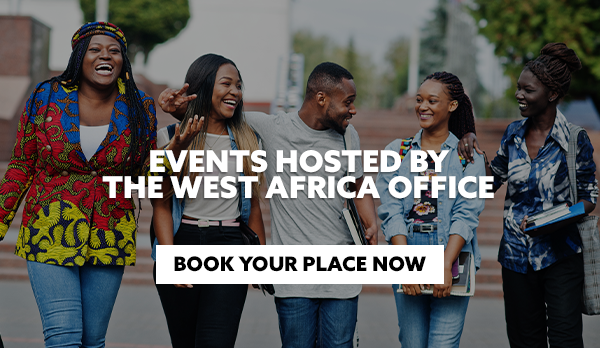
<point x="426" y="228"/>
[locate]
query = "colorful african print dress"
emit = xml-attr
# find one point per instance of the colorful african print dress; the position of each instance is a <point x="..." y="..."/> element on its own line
<point x="69" y="218"/>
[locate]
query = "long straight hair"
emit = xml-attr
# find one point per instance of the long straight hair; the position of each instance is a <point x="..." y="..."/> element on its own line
<point x="201" y="77"/>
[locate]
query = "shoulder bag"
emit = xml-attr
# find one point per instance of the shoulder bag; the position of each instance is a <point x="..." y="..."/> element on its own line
<point x="590" y="237"/>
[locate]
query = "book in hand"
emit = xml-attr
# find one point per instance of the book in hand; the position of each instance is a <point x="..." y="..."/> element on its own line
<point x="355" y="226"/>
<point x="553" y="215"/>
<point x="463" y="284"/>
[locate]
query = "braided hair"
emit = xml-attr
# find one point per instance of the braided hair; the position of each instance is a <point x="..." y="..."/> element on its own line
<point x="554" y="67"/>
<point x="139" y="124"/>
<point x="462" y="120"/>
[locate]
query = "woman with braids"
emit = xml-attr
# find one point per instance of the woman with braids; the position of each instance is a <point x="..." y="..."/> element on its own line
<point x="445" y="113"/>
<point x="542" y="274"/>
<point x="208" y="315"/>
<point x="89" y="122"/>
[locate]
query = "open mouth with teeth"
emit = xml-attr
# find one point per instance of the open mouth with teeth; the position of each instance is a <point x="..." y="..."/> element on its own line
<point x="522" y="106"/>
<point x="230" y="103"/>
<point x="104" y="69"/>
<point x="425" y="116"/>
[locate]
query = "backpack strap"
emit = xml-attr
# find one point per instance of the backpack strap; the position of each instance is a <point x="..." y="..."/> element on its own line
<point x="572" y="159"/>
<point x="463" y="161"/>
<point x="171" y="130"/>
<point x="406" y="145"/>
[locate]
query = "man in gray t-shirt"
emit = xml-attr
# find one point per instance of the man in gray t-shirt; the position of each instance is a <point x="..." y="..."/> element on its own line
<point x="307" y="312"/>
<point x="305" y="221"/>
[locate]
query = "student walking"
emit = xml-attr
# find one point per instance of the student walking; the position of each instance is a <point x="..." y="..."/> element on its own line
<point x="445" y="114"/>
<point x="313" y="315"/>
<point x="208" y="315"/>
<point x="542" y="273"/>
<point x="89" y="122"/>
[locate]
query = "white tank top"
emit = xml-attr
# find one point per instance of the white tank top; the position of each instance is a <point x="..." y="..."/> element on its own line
<point x="215" y="208"/>
<point x="90" y="138"/>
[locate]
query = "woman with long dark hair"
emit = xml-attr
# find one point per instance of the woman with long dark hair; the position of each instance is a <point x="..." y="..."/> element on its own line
<point x="89" y="122"/>
<point x="208" y="315"/>
<point x="445" y="114"/>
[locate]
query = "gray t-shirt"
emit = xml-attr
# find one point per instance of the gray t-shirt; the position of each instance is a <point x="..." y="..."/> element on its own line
<point x="304" y="221"/>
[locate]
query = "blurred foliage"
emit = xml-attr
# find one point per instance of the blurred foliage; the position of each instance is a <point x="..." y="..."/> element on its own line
<point x="433" y="42"/>
<point x="395" y="80"/>
<point x="319" y="49"/>
<point x="519" y="29"/>
<point x="146" y="23"/>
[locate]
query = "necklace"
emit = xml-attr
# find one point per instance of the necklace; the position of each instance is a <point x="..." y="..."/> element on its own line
<point x="211" y="147"/>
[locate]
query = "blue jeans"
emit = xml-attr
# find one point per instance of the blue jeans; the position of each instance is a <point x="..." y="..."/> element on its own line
<point x="427" y="321"/>
<point x="75" y="302"/>
<point x="316" y="322"/>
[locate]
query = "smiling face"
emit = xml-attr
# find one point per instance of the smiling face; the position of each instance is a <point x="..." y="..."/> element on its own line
<point x="341" y="107"/>
<point x="532" y="95"/>
<point x="434" y="106"/>
<point x="102" y="62"/>
<point x="227" y="92"/>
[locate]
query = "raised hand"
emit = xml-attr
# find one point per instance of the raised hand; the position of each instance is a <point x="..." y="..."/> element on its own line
<point x="175" y="101"/>
<point x="182" y="141"/>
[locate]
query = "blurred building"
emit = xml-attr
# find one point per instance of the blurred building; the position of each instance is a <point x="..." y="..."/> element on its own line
<point x="254" y="34"/>
<point x="24" y="46"/>
<point x="63" y="17"/>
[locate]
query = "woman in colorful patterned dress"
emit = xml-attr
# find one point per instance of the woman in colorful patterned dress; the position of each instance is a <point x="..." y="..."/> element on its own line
<point x="89" y="122"/>
<point x="445" y="115"/>
<point x="542" y="275"/>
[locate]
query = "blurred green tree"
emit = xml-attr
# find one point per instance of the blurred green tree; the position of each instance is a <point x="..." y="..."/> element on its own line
<point x="319" y="49"/>
<point x="351" y="56"/>
<point x="146" y="23"/>
<point x="433" y="41"/>
<point x="519" y="29"/>
<point x="395" y="78"/>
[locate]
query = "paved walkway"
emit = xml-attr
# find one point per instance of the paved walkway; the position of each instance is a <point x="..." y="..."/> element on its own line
<point x="138" y="321"/>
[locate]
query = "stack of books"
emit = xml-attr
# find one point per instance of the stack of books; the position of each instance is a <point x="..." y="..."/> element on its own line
<point x="555" y="214"/>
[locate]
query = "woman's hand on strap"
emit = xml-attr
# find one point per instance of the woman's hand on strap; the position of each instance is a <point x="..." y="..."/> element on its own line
<point x="467" y="145"/>
<point x="175" y="101"/>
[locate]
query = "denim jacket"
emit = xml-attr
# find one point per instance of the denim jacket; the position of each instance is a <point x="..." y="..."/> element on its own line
<point x="178" y="205"/>
<point x="455" y="215"/>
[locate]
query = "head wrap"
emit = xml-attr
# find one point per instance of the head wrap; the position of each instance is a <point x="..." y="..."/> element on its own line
<point x="96" y="28"/>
